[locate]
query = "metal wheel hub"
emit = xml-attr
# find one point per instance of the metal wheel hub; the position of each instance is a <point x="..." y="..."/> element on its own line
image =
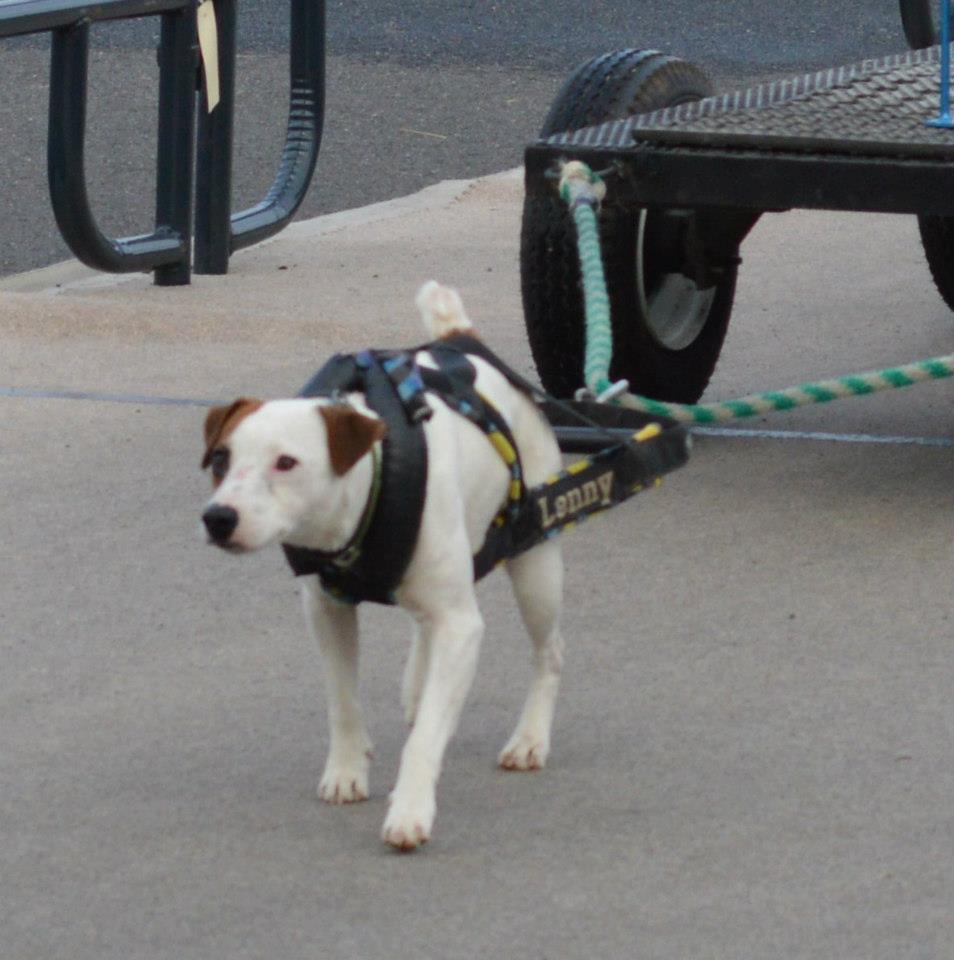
<point x="674" y="309"/>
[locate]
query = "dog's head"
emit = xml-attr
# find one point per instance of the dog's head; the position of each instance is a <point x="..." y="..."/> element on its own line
<point x="283" y="472"/>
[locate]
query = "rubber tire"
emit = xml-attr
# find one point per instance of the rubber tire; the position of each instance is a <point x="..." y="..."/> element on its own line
<point x="937" y="238"/>
<point x="610" y="87"/>
<point x="919" y="21"/>
<point x="937" y="233"/>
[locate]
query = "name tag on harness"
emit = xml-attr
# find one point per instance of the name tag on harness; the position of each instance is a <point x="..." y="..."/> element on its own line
<point x="562" y="505"/>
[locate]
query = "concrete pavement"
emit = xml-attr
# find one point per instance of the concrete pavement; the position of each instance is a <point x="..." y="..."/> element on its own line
<point x="753" y="749"/>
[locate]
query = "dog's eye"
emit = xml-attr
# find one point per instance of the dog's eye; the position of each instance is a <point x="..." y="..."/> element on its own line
<point x="219" y="462"/>
<point x="285" y="462"/>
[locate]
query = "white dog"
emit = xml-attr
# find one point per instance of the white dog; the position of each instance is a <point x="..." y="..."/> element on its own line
<point x="303" y="472"/>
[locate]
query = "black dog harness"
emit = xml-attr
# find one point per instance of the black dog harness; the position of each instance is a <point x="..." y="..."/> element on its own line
<point x="372" y="564"/>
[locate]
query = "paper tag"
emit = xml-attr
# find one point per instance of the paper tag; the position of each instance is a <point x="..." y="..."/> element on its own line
<point x="209" y="48"/>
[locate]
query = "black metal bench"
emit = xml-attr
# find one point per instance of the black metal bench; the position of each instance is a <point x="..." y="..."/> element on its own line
<point x="187" y="208"/>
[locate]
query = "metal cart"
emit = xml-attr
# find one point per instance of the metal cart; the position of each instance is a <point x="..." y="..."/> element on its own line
<point x="690" y="173"/>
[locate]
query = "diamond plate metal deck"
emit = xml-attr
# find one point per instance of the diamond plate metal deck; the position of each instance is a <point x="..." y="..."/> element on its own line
<point x="873" y="108"/>
<point x="848" y="138"/>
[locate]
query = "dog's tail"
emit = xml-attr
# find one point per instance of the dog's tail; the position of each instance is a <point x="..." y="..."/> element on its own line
<point x="442" y="310"/>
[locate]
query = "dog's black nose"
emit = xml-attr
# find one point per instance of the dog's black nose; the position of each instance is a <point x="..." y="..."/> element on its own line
<point x="221" y="522"/>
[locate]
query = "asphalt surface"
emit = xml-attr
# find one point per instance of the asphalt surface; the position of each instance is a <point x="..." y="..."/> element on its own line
<point x="417" y="93"/>
<point x="742" y="36"/>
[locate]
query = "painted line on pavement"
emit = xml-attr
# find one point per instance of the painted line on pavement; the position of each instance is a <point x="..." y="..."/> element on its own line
<point x="27" y="393"/>
<point x="818" y="435"/>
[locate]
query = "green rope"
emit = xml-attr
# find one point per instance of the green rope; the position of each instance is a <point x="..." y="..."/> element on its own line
<point x="583" y="195"/>
<point x="582" y="190"/>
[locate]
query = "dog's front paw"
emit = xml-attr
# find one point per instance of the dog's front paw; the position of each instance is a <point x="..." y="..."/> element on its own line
<point x="524" y="751"/>
<point x="408" y="825"/>
<point x="345" y="781"/>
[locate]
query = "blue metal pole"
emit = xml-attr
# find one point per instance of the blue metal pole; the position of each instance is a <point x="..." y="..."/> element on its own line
<point x="945" y="119"/>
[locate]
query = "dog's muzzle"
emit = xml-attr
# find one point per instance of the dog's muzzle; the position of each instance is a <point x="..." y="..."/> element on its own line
<point x="220" y="521"/>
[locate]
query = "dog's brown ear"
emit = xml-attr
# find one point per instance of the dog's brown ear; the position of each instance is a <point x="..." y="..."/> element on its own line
<point x="350" y="435"/>
<point x="221" y="421"/>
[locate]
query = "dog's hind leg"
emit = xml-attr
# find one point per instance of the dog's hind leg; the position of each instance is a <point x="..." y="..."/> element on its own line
<point x="537" y="578"/>
<point x="335" y="627"/>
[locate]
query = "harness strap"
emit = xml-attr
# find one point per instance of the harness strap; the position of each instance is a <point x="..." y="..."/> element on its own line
<point x="588" y="486"/>
<point x="380" y="560"/>
<point x="373" y="565"/>
<point x="453" y="382"/>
